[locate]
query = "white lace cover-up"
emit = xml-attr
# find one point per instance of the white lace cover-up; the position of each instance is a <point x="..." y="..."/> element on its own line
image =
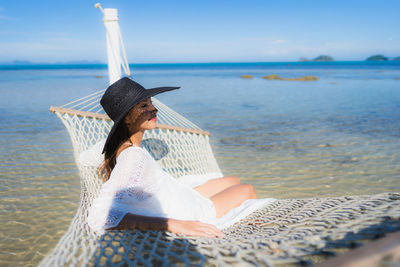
<point x="138" y="185"/>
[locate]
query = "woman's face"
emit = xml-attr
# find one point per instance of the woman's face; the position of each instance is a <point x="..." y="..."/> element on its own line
<point x="142" y="116"/>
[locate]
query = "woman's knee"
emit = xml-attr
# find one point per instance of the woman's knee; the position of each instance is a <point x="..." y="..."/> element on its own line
<point x="233" y="180"/>
<point x="251" y="192"/>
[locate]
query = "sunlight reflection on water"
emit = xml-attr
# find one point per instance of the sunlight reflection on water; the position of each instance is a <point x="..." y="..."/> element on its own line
<point x="336" y="136"/>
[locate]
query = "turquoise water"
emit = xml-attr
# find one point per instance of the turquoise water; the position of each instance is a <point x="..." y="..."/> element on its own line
<point x="339" y="135"/>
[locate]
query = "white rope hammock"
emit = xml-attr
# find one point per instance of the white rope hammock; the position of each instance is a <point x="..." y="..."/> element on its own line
<point x="286" y="231"/>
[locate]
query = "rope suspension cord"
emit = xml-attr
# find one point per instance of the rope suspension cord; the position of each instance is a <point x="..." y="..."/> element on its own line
<point x="123" y="59"/>
<point x="125" y="64"/>
<point x="81" y="100"/>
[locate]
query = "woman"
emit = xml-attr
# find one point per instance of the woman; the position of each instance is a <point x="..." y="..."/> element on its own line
<point x="137" y="193"/>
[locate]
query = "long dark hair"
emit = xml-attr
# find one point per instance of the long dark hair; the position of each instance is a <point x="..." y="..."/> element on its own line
<point x="122" y="134"/>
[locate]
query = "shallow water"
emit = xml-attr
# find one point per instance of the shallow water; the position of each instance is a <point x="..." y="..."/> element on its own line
<point x="335" y="136"/>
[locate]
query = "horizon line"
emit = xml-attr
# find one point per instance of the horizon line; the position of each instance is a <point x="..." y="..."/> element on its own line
<point x="83" y="62"/>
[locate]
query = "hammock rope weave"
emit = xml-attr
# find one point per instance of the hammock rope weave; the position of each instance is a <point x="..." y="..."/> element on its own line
<point x="286" y="231"/>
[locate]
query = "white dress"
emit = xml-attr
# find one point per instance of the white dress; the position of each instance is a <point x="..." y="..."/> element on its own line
<point x="138" y="185"/>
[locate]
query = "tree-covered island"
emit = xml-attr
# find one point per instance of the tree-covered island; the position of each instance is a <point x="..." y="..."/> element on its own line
<point x="377" y="58"/>
<point x="323" y="58"/>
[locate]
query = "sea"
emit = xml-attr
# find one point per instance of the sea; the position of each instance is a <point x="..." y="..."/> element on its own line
<point x="339" y="135"/>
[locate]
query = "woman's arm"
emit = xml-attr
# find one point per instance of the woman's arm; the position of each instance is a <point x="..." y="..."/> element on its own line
<point x="191" y="228"/>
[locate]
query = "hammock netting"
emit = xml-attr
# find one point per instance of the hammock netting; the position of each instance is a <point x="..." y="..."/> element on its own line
<point x="288" y="231"/>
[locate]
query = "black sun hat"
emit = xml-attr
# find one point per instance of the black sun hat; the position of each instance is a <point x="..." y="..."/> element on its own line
<point x="121" y="97"/>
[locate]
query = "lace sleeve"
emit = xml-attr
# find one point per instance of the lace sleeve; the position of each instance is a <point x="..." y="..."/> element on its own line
<point x="125" y="190"/>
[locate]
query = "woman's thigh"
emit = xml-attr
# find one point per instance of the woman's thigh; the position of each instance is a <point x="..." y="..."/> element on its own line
<point x="232" y="197"/>
<point x="214" y="186"/>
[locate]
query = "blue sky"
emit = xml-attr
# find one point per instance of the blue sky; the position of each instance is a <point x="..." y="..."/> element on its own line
<point x="200" y="31"/>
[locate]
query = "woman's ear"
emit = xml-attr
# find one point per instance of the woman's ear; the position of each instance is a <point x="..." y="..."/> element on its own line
<point x="128" y="122"/>
<point x="128" y="117"/>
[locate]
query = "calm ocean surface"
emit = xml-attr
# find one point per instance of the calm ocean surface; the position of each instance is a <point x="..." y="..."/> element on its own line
<point x="339" y="135"/>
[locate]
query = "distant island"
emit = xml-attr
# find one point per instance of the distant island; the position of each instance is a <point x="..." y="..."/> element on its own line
<point x="75" y="62"/>
<point x="377" y="58"/>
<point x="317" y="59"/>
<point x="88" y="63"/>
<point x="323" y="58"/>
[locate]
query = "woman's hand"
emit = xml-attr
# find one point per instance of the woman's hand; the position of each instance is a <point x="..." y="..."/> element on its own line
<point x="193" y="228"/>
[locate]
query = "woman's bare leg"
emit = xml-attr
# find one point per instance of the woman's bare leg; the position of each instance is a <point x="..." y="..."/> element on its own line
<point x="217" y="185"/>
<point x="232" y="197"/>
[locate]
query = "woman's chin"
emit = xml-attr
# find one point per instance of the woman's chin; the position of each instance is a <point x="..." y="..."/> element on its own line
<point x="149" y="125"/>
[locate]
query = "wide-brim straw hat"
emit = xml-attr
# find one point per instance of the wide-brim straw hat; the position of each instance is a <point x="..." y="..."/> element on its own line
<point x="121" y="97"/>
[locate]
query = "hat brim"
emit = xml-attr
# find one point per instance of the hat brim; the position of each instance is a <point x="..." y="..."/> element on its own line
<point x="148" y="93"/>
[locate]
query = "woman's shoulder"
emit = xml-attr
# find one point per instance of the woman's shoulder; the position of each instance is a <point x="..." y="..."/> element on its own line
<point x="131" y="152"/>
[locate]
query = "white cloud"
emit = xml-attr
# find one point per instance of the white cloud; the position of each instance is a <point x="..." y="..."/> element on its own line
<point x="254" y="49"/>
<point x="278" y="42"/>
<point x="2" y="17"/>
<point x="52" y="50"/>
<point x="59" y="46"/>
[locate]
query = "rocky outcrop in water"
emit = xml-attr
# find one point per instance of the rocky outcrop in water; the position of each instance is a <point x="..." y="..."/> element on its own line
<point x="247" y="76"/>
<point x="303" y="78"/>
